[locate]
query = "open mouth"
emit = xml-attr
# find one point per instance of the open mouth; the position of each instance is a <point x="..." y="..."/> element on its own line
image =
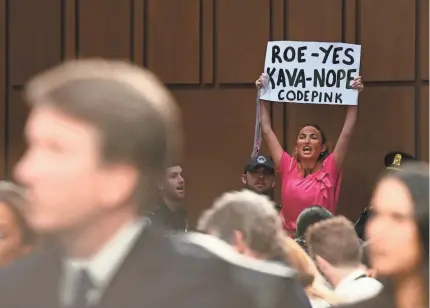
<point x="307" y="150"/>
<point x="180" y="188"/>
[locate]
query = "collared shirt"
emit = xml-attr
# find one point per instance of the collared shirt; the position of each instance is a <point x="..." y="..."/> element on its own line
<point x="103" y="266"/>
<point x="357" y="286"/>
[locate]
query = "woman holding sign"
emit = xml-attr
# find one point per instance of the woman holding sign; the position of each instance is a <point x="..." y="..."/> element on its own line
<point x="311" y="175"/>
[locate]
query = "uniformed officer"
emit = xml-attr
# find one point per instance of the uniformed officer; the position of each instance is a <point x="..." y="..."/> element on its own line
<point x="393" y="162"/>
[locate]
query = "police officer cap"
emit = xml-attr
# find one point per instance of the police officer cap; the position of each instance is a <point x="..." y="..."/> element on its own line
<point x="395" y="160"/>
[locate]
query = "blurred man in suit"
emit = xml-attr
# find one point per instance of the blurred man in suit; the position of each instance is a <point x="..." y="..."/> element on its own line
<point x="99" y="134"/>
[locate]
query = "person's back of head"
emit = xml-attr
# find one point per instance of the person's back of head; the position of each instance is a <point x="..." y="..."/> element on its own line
<point x="310" y="216"/>
<point x="335" y="241"/>
<point x="245" y="218"/>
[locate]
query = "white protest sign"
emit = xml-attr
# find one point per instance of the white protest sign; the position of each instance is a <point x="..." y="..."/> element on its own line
<point x="311" y="72"/>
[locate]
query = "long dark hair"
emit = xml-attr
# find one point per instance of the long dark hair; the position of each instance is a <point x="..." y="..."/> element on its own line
<point x="415" y="176"/>
<point x="324" y="141"/>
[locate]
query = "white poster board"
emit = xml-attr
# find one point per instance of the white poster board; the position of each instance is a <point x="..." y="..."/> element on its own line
<point x="311" y="72"/>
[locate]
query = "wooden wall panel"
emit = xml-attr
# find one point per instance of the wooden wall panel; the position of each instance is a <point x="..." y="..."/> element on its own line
<point x="219" y="141"/>
<point x="424" y="38"/>
<point x="104" y="28"/>
<point x="17" y="111"/>
<point x="424" y="124"/>
<point x="315" y="20"/>
<point x="350" y="21"/>
<point x="241" y="42"/>
<point x="3" y="84"/>
<point x="385" y="123"/>
<point x="388" y="46"/>
<point x="173" y="40"/>
<point x="35" y="41"/>
<point x="208" y="38"/>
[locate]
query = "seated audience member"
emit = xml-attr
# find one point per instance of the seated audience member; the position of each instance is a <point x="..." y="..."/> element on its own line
<point x="319" y="294"/>
<point x="252" y="227"/>
<point x="170" y="213"/>
<point x="336" y="249"/>
<point x="393" y="162"/>
<point x="248" y="222"/>
<point x="307" y="218"/>
<point x="259" y="176"/>
<point x="16" y="237"/>
<point x="398" y="231"/>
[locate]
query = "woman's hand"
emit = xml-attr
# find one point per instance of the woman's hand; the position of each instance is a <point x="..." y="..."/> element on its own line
<point x="357" y="84"/>
<point x="260" y="81"/>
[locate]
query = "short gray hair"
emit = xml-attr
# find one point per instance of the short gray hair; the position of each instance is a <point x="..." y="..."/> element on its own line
<point x="252" y="214"/>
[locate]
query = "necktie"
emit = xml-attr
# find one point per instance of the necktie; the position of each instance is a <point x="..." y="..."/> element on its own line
<point x="83" y="286"/>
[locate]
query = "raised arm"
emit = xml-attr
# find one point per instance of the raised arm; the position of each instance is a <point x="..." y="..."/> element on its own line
<point x="269" y="136"/>
<point x="342" y="145"/>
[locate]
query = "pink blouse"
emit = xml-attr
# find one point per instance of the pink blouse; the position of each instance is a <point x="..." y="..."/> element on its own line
<point x="319" y="188"/>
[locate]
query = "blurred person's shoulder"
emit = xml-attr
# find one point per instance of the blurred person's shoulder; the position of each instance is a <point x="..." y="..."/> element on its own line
<point x="256" y="280"/>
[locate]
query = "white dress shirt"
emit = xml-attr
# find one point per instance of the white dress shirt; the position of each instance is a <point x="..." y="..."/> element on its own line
<point x="102" y="266"/>
<point x="354" y="289"/>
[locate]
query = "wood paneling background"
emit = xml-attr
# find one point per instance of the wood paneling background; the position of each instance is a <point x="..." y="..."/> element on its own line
<point x="209" y="52"/>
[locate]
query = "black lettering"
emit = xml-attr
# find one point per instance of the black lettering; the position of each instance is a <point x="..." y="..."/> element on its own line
<point x="314" y="95"/>
<point x="281" y="79"/>
<point x="281" y="98"/>
<point x="306" y="96"/>
<point x="338" y="97"/>
<point x="350" y="78"/>
<point x="341" y="74"/>
<point x="291" y="96"/>
<point x="350" y="57"/>
<point x="332" y="82"/>
<point x="301" y="79"/>
<point x="299" y="96"/>
<point x="301" y="54"/>
<point x="275" y="54"/>
<point x="326" y="53"/>
<point x="293" y="54"/>
<point x="336" y="55"/>
<point x="291" y="78"/>
<point x="319" y="78"/>
<point x="270" y="72"/>
<point x="328" y="97"/>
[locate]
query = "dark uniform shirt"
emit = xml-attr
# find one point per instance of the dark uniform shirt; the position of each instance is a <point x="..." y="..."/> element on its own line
<point x="169" y="220"/>
<point x="361" y="224"/>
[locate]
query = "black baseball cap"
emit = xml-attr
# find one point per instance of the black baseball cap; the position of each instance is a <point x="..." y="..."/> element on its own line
<point x="260" y="161"/>
<point x="395" y="160"/>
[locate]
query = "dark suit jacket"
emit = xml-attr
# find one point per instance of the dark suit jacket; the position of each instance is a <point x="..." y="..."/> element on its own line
<point x="159" y="272"/>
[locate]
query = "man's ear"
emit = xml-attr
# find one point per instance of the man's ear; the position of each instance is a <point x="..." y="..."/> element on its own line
<point x="117" y="184"/>
<point x="239" y="242"/>
<point x="243" y="178"/>
<point x="322" y="264"/>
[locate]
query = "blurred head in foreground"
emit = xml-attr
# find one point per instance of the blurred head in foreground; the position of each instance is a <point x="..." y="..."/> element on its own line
<point x="16" y="237"/>
<point x="99" y="133"/>
<point x="399" y="228"/>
